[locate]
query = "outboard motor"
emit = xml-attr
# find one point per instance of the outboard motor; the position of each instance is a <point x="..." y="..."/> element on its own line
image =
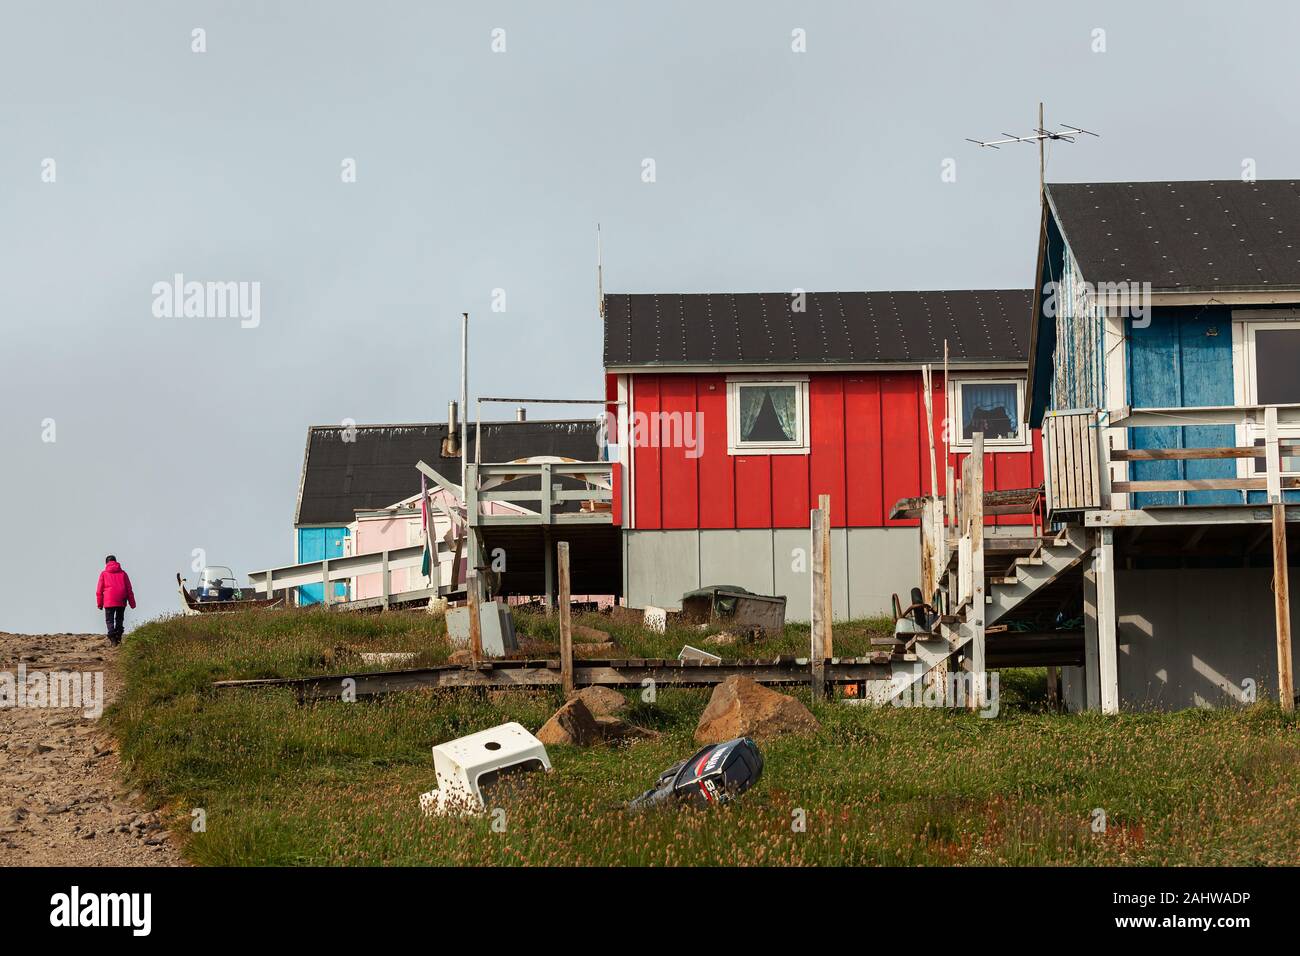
<point x="715" y="775"/>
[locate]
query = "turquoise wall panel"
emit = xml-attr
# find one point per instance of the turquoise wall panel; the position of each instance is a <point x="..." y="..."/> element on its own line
<point x="317" y="544"/>
<point x="1183" y="358"/>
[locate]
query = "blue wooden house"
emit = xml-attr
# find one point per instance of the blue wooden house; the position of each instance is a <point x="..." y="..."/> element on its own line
<point x="1165" y="371"/>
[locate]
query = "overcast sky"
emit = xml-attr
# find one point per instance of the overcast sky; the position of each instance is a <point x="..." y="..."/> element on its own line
<point x="151" y="435"/>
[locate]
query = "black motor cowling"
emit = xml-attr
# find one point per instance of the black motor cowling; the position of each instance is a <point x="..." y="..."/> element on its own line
<point x="713" y="776"/>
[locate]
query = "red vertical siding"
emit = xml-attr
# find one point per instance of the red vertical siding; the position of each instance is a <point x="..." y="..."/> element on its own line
<point x="753" y="491"/>
<point x="790" y="491"/>
<point x="901" y="438"/>
<point x="868" y="448"/>
<point x="826" y="443"/>
<point x="717" y="468"/>
<point x="862" y="462"/>
<point x="680" y="491"/>
<point x="645" y="438"/>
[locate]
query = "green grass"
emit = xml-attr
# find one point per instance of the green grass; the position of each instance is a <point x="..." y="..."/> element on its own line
<point x="337" y="783"/>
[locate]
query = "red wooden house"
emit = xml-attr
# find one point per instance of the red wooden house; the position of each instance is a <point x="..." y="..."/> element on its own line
<point x="736" y="411"/>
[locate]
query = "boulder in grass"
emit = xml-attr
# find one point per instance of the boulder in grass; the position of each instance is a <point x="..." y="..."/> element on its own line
<point x="601" y="701"/>
<point x="614" y="729"/>
<point x="573" y="725"/>
<point x="741" y="707"/>
<point x="589" y="635"/>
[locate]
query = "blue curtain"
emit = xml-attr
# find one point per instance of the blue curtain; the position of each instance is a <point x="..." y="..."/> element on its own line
<point x="991" y="409"/>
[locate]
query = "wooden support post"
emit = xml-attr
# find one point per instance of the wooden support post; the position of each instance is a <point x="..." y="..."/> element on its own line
<point x="1281" y="577"/>
<point x="548" y="570"/>
<point x="927" y="382"/>
<point x="547" y="492"/>
<point x="457" y="563"/>
<point x="828" y="605"/>
<point x="475" y="622"/>
<point x="1091" y="640"/>
<point x="566" y="624"/>
<point x="1053" y="688"/>
<point x="816" y="650"/>
<point x="975" y="509"/>
<point x="1282" y="609"/>
<point x="383" y="579"/>
<point x="325" y="583"/>
<point x="1107" y="646"/>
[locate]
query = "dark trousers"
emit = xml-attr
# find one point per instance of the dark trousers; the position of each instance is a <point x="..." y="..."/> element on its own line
<point x="113" y="617"/>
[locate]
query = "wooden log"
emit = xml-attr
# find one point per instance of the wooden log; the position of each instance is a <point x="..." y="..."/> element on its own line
<point x="566" y="623"/>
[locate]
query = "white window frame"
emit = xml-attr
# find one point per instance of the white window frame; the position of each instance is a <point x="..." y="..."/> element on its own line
<point x="1245" y="323"/>
<point x="800" y="446"/>
<point x="1022" y="442"/>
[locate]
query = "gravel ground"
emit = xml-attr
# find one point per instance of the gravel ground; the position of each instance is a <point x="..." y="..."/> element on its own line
<point x="61" y="799"/>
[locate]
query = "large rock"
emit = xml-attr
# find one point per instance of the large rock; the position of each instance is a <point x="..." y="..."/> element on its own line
<point x="740" y="707"/>
<point x="614" y="729"/>
<point x="601" y="701"/>
<point x="591" y="716"/>
<point x="572" y="724"/>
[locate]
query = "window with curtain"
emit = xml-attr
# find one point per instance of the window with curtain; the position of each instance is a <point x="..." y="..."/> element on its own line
<point x="992" y="407"/>
<point x="767" y="415"/>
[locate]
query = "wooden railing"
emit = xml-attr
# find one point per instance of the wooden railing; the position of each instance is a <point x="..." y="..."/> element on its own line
<point x="1260" y="423"/>
<point x="331" y="571"/>
<point x="491" y="482"/>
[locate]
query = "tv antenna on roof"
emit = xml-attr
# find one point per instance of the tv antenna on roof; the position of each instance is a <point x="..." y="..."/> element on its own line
<point x="1040" y="135"/>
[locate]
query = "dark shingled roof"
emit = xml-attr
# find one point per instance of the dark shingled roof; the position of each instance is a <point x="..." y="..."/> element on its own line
<point x="1189" y="236"/>
<point x="835" y="328"/>
<point x="378" y="468"/>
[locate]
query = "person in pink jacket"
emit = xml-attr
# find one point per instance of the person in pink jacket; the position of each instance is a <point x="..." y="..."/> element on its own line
<point x="113" y="593"/>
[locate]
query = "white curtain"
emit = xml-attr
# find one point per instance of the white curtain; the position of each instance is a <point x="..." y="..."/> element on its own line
<point x="751" y="403"/>
<point x="783" y="401"/>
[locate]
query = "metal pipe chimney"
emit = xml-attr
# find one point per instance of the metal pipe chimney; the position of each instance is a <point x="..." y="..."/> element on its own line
<point x="521" y="414"/>
<point x="451" y="444"/>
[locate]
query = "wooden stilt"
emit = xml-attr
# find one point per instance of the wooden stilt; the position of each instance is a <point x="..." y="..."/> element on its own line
<point x="974" y="492"/>
<point x="1282" y="609"/>
<point x="817" y="648"/>
<point x="548" y="571"/>
<point x="1281" y="577"/>
<point x="1107" y="644"/>
<point x="475" y="622"/>
<point x="828" y="617"/>
<point x="566" y="624"/>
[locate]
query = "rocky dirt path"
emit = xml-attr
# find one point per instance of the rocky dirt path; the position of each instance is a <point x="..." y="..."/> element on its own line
<point x="61" y="799"/>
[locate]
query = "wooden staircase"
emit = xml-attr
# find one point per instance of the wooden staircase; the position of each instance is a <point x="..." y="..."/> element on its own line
<point x="973" y="581"/>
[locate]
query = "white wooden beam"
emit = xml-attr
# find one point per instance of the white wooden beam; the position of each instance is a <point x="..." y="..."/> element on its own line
<point x="1107" y="645"/>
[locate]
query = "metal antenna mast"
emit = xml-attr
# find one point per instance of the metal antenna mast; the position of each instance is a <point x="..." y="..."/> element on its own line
<point x="1040" y="135"/>
<point x="600" y="278"/>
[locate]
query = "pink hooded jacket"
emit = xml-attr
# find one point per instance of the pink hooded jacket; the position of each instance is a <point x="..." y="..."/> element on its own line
<point x="114" y="588"/>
